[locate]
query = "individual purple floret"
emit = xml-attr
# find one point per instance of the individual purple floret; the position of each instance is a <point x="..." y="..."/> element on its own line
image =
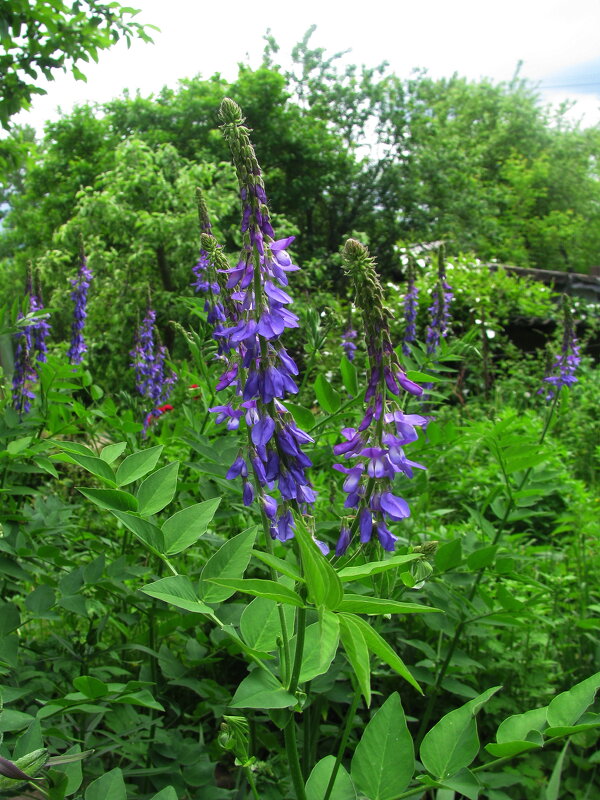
<point x="375" y="447"/>
<point x="259" y="369"/>
<point x="440" y="308"/>
<point x="80" y="285"/>
<point x="411" y="307"/>
<point x="563" y="369"/>
<point x="154" y="382"/>
<point x="348" y="344"/>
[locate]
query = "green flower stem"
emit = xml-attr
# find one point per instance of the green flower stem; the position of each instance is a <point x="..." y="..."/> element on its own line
<point x="251" y="783"/>
<point x="300" y="633"/>
<point x="478" y="577"/>
<point x="291" y="747"/>
<point x="343" y="742"/>
<point x="341" y="409"/>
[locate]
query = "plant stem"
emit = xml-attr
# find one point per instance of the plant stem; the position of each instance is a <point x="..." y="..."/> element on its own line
<point x="291" y="746"/>
<point x="343" y="742"/>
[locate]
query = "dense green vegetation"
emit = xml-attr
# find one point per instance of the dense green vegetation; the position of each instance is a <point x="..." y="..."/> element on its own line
<point x="165" y="632"/>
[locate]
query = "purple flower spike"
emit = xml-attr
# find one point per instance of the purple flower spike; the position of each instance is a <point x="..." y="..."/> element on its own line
<point x="258" y="368"/>
<point x="440" y="308"/>
<point x="563" y="369"/>
<point x="80" y="285"/>
<point x="153" y="381"/>
<point x="385" y="429"/>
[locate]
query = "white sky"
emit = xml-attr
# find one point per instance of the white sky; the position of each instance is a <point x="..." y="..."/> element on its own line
<point x="558" y="41"/>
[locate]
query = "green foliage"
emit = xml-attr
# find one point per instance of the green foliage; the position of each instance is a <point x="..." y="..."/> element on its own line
<point x="42" y="38"/>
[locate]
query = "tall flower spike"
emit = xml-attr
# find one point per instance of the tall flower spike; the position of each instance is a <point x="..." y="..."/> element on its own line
<point x="411" y="306"/>
<point x="562" y="372"/>
<point x="80" y="285"/>
<point x="30" y="347"/>
<point x="440" y="308"/>
<point x="259" y="369"/>
<point x="376" y="445"/>
<point x="148" y="361"/>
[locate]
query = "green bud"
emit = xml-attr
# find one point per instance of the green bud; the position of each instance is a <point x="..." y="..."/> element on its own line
<point x="230" y="112"/>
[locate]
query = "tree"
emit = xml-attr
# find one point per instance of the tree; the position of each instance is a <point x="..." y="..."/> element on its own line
<point x="41" y="37"/>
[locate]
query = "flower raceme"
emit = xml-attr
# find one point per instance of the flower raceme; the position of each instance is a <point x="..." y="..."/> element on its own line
<point x="259" y="369"/>
<point x="376" y="445"/>
<point x="30" y="347"/>
<point x="80" y="285"/>
<point x="148" y="361"/>
<point x="440" y="308"/>
<point x="411" y="307"/>
<point x="348" y="344"/>
<point x="562" y="372"/>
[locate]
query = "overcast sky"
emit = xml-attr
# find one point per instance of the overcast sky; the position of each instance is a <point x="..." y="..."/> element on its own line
<point x="557" y="40"/>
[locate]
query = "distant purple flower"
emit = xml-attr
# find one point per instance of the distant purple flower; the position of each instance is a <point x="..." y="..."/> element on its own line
<point x="565" y="365"/>
<point x="80" y="285"/>
<point x="24" y="375"/>
<point x="376" y="445"/>
<point x="440" y="308"/>
<point x="258" y="368"/>
<point x="347" y="344"/>
<point x="411" y="306"/>
<point x="30" y="347"/>
<point x="154" y="382"/>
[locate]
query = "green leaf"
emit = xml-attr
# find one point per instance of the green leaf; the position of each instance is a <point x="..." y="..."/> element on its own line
<point x="448" y="555"/>
<point x="258" y="587"/>
<point x="91" y="687"/>
<point x="328" y="398"/>
<point x="358" y="654"/>
<point x="145" y="531"/>
<point x="137" y="465"/>
<point x="110" y="785"/>
<point x="379" y="647"/>
<point x="421" y="377"/>
<point x="168" y="793"/>
<point x="279" y="565"/>
<point x="362" y="604"/>
<point x="260" y="626"/>
<point x="92" y="464"/>
<point x="185" y="527"/>
<point x="111" y="499"/>
<point x="374" y="567"/>
<point x="141" y="698"/>
<point x="324" y="586"/>
<point x="553" y="788"/>
<point x="112" y="451"/>
<point x="260" y="689"/>
<point x="518" y="726"/>
<point x="230" y="561"/>
<point x="384" y="761"/>
<point x="320" y="646"/>
<point x="566" y="708"/>
<point x="178" y="591"/>
<point x="158" y="489"/>
<point x="484" y="557"/>
<point x="303" y="416"/>
<point x="348" y="372"/>
<point x="318" y="781"/>
<point x="453" y="743"/>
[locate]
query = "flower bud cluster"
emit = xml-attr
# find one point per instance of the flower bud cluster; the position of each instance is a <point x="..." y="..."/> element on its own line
<point x="376" y="445"/>
<point x="440" y="308"/>
<point x="259" y="369"/>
